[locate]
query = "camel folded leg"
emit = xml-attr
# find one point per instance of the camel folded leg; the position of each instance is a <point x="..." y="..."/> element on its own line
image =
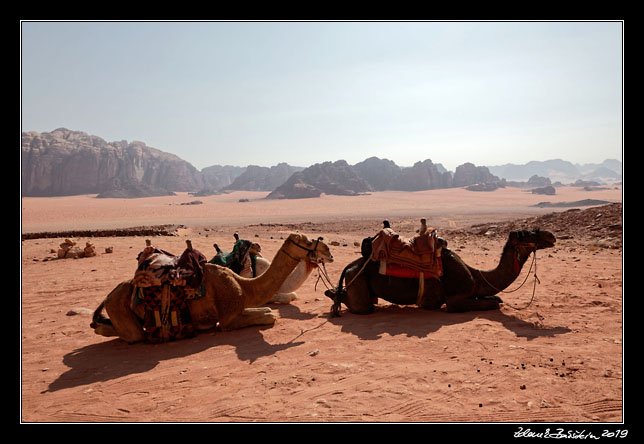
<point x="283" y="298"/>
<point x="466" y="302"/>
<point x="250" y="316"/>
<point x="125" y="323"/>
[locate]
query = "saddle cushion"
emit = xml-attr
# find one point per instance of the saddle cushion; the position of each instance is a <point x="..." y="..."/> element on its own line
<point x="420" y="253"/>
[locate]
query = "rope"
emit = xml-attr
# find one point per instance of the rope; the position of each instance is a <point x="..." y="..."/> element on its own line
<point x="322" y="275"/>
<point x="358" y="273"/>
<point x="534" y="287"/>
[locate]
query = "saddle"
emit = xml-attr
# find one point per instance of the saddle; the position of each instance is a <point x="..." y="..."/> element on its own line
<point x="164" y="283"/>
<point x="411" y="258"/>
<point x="239" y="260"/>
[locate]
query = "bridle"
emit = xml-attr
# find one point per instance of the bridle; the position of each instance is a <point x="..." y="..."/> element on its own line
<point x="533" y="247"/>
<point x="311" y="251"/>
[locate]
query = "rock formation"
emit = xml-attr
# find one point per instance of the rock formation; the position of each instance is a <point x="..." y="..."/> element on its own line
<point x="547" y="190"/>
<point x="469" y="174"/>
<point x="380" y="174"/>
<point x="609" y="171"/>
<point x="64" y="162"/>
<point x="216" y="177"/>
<point x="328" y="177"/>
<point x="257" y="178"/>
<point x="423" y="175"/>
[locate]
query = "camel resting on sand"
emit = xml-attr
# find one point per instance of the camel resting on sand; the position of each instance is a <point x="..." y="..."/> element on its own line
<point x="461" y="288"/>
<point x="253" y="262"/>
<point x="230" y="301"/>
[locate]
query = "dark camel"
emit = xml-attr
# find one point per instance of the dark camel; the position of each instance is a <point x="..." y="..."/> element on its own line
<point x="461" y="288"/>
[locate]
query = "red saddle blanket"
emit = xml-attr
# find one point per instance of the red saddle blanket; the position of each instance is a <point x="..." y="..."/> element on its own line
<point x="401" y="271"/>
<point x="407" y="257"/>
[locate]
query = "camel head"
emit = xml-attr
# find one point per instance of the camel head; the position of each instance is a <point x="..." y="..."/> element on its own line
<point x="314" y="251"/>
<point x="534" y="239"/>
<point x="255" y="248"/>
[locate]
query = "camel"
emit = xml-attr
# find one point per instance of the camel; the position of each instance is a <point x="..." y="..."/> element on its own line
<point x="229" y="302"/>
<point x="461" y="288"/>
<point x="287" y="292"/>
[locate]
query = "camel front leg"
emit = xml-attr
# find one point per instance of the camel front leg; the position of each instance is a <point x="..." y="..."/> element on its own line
<point x="433" y="296"/>
<point x="249" y="317"/>
<point x="283" y="298"/>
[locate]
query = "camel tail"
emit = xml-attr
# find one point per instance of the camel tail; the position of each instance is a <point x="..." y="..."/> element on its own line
<point x="98" y="318"/>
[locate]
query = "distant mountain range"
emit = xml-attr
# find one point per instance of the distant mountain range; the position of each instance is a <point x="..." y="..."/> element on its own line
<point x="557" y="170"/>
<point x="64" y="162"/>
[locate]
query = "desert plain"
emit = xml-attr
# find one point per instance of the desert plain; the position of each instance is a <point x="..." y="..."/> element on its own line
<point x="557" y="358"/>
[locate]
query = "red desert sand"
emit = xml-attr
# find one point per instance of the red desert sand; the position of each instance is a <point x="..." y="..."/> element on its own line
<point x="558" y="360"/>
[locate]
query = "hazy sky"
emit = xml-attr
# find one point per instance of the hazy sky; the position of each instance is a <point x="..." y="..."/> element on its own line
<point x="261" y="93"/>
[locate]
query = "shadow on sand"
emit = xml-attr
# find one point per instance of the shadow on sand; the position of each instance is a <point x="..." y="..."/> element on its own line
<point x="416" y="322"/>
<point x="115" y="358"/>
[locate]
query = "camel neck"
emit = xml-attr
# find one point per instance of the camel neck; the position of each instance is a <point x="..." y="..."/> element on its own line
<point x="490" y="282"/>
<point x="261" y="289"/>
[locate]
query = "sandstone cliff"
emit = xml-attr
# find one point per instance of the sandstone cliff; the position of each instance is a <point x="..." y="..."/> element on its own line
<point x="423" y="175"/>
<point x="384" y="174"/>
<point x="328" y="177"/>
<point x="257" y="178"/>
<point x="64" y="162"/>
<point x="469" y="174"/>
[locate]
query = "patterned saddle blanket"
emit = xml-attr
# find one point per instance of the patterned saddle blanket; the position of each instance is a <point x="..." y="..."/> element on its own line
<point x="407" y="257"/>
<point x="164" y="282"/>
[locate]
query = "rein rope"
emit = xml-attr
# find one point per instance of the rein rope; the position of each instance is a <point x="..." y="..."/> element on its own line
<point x="534" y="286"/>
<point x="323" y="275"/>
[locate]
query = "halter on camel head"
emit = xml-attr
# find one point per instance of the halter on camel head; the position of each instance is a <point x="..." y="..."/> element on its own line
<point x="312" y="258"/>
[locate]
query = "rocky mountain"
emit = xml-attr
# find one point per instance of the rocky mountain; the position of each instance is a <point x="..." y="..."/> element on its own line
<point x="384" y="174"/>
<point x="469" y="174"/>
<point x="328" y="177"/>
<point x="64" y="162"/>
<point x="217" y="177"/>
<point x="609" y="171"/>
<point x="374" y="174"/>
<point x="257" y="178"/>
<point x="423" y="175"/>
<point x="380" y="174"/>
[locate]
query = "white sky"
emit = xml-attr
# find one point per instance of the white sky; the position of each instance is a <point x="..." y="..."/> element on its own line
<point x="240" y="93"/>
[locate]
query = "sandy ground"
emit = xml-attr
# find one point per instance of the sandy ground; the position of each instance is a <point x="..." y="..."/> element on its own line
<point x="559" y="360"/>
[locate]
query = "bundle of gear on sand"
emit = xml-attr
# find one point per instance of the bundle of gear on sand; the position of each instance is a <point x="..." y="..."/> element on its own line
<point x="69" y="250"/>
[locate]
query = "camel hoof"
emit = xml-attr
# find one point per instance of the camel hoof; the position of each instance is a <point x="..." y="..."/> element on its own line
<point x="105" y="330"/>
<point x="283" y="298"/>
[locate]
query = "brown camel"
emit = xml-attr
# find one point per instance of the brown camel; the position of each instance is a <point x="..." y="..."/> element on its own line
<point x="230" y="301"/>
<point x="461" y="288"/>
